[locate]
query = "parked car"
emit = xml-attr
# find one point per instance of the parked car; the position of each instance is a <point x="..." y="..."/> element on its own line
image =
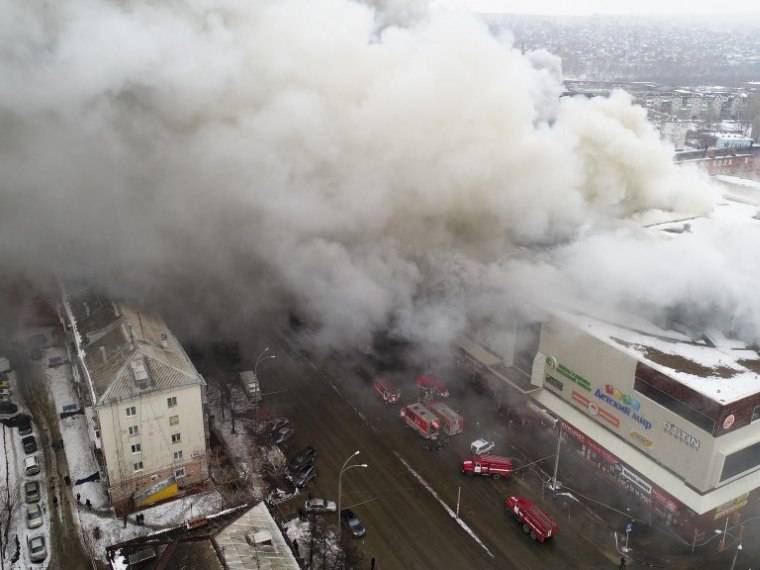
<point x="304" y="457"/>
<point x="353" y="523"/>
<point x="481" y="446"/>
<point x="33" y="516"/>
<point x="7" y="410"/>
<point x="18" y="420"/>
<point x="319" y="506"/>
<point x="31" y="465"/>
<point x="32" y="491"/>
<point x="30" y="444"/>
<point x="282" y="435"/>
<point x="37" y="549"/>
<point x="25" y="428"/>
<point x="304" y="476"/>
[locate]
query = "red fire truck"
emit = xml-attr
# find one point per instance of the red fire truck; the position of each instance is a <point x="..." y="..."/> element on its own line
<point x="433" y="386"/>
<point x="488" y="465"/>
<point x="535" y="522"/>
<point x="421" y="419"/>
<point x="387" y="391"/>
<point x="452" y="423"/>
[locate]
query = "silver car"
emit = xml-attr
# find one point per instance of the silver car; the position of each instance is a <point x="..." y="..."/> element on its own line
<point x="33" y="516"/>
<point x="37" y="549"/>
<point x="32" y="491"/>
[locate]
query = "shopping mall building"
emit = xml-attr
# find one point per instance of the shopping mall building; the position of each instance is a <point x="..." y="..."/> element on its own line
<point x="673" y="416"/>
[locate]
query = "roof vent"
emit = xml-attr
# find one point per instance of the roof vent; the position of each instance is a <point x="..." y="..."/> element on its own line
<point x="139" y="372"/>
<point x="259" y="538"/>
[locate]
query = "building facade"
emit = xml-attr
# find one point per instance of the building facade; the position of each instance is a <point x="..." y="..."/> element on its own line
<point x="143" y="399"/>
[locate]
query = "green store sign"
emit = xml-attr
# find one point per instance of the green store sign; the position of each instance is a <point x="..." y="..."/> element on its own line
<point x="570" y="375"/>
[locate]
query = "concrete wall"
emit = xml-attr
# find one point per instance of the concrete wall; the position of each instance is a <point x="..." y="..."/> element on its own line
<point x="153" y="418"/>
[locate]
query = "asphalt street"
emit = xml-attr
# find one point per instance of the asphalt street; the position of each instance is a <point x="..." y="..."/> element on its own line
<point x="407" y="524"/>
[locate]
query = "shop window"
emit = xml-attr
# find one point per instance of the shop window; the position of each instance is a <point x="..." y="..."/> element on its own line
<point x="756" y="413"/>
<point x="741" y="461"/>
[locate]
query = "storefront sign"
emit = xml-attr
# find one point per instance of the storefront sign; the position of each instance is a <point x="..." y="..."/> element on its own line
<point x="682" y="435"/>
<point x="570" y="375"/>
<point x="593" y="409"/>
<point x="554" y="383"/>
<point x="624" y="403"/>
<point x="641" y="440"/>
<point x="729" y="421"/>
<point x="636" y="480"/>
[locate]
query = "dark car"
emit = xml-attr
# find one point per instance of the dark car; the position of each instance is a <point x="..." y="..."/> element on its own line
<point x="304" y="476"/>
<point x="25" y="428"/>
<point x="19" y="420"/>
<point x="304" y="457"/>
<point x="30" y="444"/>
<point x="32" y="491"/>
<point x="7" y="410"/>
<point x="352" y="522"/>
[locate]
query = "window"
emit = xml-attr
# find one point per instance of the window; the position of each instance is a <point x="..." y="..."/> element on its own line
<point x="756" y="413"/>
<point x="676" y="406"/>
<point x="179" y="473"/>
<point x="134" y="430"/>
<point x="136" y="448"/>
<point x="741" y="461"/>
<point x="131" y="411"/>
<point x="171" y="402"/>
<point x="137" y="466"/>
<point x="178" y="455"/>
<point x="176" y="437"/>
<point x="173" y="420"/>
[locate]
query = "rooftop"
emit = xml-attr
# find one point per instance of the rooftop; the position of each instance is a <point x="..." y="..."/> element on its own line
<point x="129" y="352"/>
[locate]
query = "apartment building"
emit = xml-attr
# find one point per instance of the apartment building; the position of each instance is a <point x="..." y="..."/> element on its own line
<point x="143" y="399"/>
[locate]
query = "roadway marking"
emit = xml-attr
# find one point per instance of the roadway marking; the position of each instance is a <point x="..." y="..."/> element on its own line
<point x="448" y="509"/>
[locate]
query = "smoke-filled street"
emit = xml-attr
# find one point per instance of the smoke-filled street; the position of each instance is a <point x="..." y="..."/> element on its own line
<point x="337" y="412"/>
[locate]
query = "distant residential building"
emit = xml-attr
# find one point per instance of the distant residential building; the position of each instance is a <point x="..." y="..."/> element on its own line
<point x="143" y="399"/>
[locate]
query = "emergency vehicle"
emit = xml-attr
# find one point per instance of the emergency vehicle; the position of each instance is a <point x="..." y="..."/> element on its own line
<point x="452" y="423"/>
<point x="534" y="521"/>
<point x="433" y="386"/>
<point x="421" y="419"/>
<point x="387" y="391"/>
<point x="488" y="465"/>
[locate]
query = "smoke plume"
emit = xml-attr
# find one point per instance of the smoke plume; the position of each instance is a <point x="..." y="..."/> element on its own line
<point x="366" y="164"/>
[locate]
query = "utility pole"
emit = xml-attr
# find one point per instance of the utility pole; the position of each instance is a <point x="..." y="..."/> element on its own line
<point x="556" y="461"/>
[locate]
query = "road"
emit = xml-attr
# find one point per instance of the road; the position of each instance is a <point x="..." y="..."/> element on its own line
<point x="407" y="527"/>
<point x="65" y="551"/>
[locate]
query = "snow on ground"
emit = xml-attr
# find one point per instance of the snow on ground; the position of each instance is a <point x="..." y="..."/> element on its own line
<point x="74" y="432"/>
<point x="112" y="530"/>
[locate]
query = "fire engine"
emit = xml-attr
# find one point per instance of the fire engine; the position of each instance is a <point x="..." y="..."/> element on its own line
<point x="488" y="465"/>
<point x="433" y="386"/>
<point x="387" y="391"/>
<point x="452" y="423"/>
<point x="535" y="522"/>
<point x="421" y="419"/>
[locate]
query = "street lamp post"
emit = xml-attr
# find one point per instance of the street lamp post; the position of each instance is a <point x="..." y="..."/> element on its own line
<point x="263" y="355"/>
<point x="346" y="467"/>
<point x="736" y="555"/>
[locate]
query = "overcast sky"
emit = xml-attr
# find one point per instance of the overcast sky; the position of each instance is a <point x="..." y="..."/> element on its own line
<point x="586" y="7"/>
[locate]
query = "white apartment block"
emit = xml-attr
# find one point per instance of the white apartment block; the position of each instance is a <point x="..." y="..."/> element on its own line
<point x="143" y="399"/>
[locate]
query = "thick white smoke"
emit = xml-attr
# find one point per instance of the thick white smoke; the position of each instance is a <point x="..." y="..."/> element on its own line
<point x="250" y="154"/>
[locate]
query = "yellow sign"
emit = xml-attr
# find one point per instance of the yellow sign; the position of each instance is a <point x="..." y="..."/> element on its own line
<point x="641" y="440"/>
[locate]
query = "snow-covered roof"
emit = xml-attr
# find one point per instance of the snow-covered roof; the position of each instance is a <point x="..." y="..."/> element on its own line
<point x="254" y="542"/>
<point x="130" y="353"/>
<point x="719" y="368"/>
